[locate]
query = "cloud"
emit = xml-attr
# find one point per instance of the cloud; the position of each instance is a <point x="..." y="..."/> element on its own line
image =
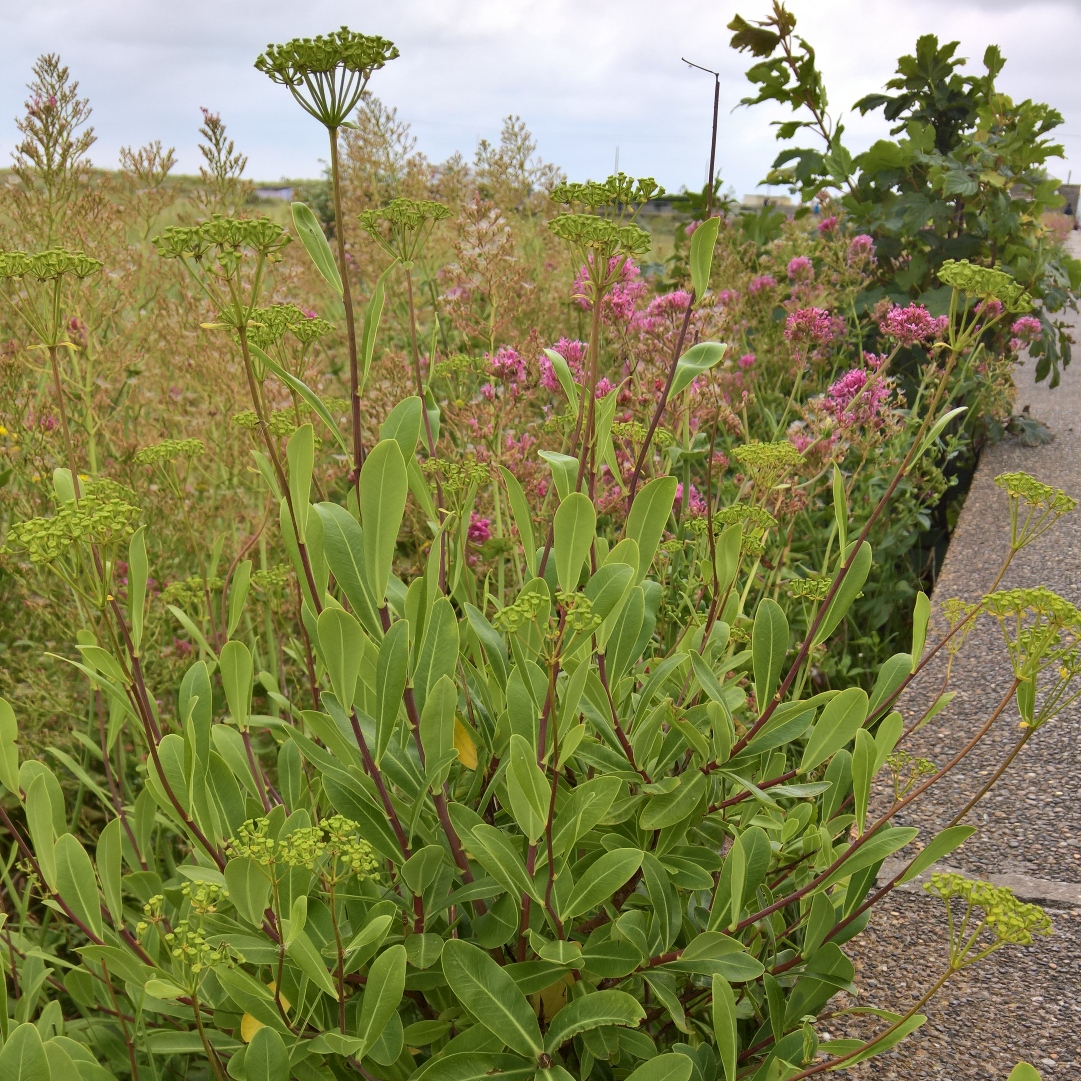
<point x="587" y="78"/>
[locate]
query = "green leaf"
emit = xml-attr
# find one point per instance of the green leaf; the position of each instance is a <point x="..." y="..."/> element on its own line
<point x="492" y="997"/>
<point x="667" y="1067"/>
<point x="564" y="471"/>
<point x="697" y="360"/>
<point x="840" y="508"/>
<point x="9" y="747"/>
<point x="527" y="788"/>
<point x="341" y="644"/>
<point x="847" y="592"/>
<point x="236" y="668"/>
<point x="863" y="762"/>
<point x="921" y="615"/>
<point x="667" y="915"/>
<point x="592" y="1011"/>
<point x="76" y="882"/>
<point x="437" y="724"/>
<point x="882" y="845"/>
<point x="315" y="403"/>
<point x="603" y="878"/>
<point x="724" y="1026"/>
<point x="249" y="888"/>
<point x="886" y="1043"/>
<point x="575" y="529"/>
<point x="238" y="595"/>
<point x="304" y="954"/>
<point x="500" y="859"/>
<point x="383" y="489"/>
<point x="267" y="1058"/>
<point x="841" y="718"/>
<point x="372" y="315"/>
<point x="935" y="432"/>
<point x="343" y="543"/>
<point x="382" y="993"/>
<point x="649" y="514"/>
<point x="391" y="671"/>
<point x="941" y="845"/>
<point x="523" y="519"/>
<point x="138" y="569"/>
<point x="769" y="644"/>
<point x="23" y="1057"/>
<point x="563" y="374"/>
<point x="675" y="806"/>
<point x="1023" y="1071"/>
<point x="475" y="1066"/>
<point x="300" y="453"/>
<point x="315" y="244"/>
<point x="39" y="821"/>
<point x="403" y="424"/>
<point x="726" y="559"/>
<point x="110" y="869"/>
<point x="703" y="241"/>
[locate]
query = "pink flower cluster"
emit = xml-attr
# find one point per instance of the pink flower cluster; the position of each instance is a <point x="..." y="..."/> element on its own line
<point x="658" y="315"/>
<point x="827" y="225"/>
<point x="859" y="395"/>
<point x="761" y="283"/>
<point x="911" y="325"/>
<point x="622" y="299"/>
<point x="573" y="352"/>
<point x="861" y="248"/>
<point x="747" y="361"/>
<point x="1027" y="328"/>
<point x="801" y="269"/>
<point x="507" y="364"/>
<point x="480" y="529"/>
<point x="696" y="502"/>
<point x="810" y="326"/>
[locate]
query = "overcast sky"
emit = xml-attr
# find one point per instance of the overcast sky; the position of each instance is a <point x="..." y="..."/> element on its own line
<point x="588" y="76"/>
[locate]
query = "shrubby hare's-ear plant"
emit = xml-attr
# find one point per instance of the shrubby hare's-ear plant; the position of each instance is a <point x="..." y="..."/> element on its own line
<point x="506" y="833"/>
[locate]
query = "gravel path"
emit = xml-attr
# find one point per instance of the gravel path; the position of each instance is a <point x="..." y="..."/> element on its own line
<point x="1022" y="1003"/>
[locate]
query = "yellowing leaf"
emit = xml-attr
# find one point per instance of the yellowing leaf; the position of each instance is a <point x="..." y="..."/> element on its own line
<point x="464" y="745"/>
<point x="249" y="1026"/>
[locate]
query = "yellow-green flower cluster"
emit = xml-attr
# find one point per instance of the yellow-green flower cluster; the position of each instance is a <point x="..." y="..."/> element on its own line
<point x="524" y="610"/>
<point x="459" y="363"/>
<point x="227" y="237"/>
<point x="281" y="422"/>
<point x="344" y="843"/>
<point x="47" y="265"/>
<point x="619" y="189"/>
<point x="402" y="226"/>
<point x="101" y="516"/>
<point x="632" y="431"/>
<point x="459" y="476"/>
<point x="269" y="325"/>
<point x="1000" y="913"/>
<point x="288" y="64"/>
<point x="307" y="846"/>
<point x="1046" y="505"/>
<point x="756" y="522"/>
<point x="985" y="282"/>
<point x="908" y="770"/>
<point x="190" y="591"/>
<point x="271" y="581"/>
<point x="601" y="236"/>
<point x="766" y="463"/>
<point x="812" y="589"/>
<point x="204" y="896"/>
<point x="580" y="616"/>
<point x="189" y="947"/>
<point x="169" y="450"/>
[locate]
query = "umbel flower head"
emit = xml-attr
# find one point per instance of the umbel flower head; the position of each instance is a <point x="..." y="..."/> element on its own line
<point x="269" y="325"/>
<point x="169" y="450"/>
<point x="991" y="284"/>
<point x="327" y="74"/>
<point x="47" y="265"/>
<point x="1044" y="506"/>
<point x="766" y="463"/>
<point x="402" y="227"/>
<point x="225" y="237"/>
<point x="618" y="191"/>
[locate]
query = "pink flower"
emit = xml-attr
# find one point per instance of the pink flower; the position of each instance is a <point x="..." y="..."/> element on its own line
<point x="761" y="283"/>
<point x="573" y="352"/>
<point x="747" y="361"/>
<point x="48" y="423"/>
<point x="857" y="397"/>
<point x="1027" y="328"/>
<point x="827" y="225"/>
<point x="480" y="529"/>
<point x="812" y="326"/>
<point x="1015" y="345"/>
<point x="913" y="324"/>
<point x="726" y="297"/>
<point x="801" y="269"/>
<point x="696" y="503"/>
<point x="604" y="385"/>
<point x="622" y="298"/>
<point x="991" y="309"/>
<point x="861" y="248"/>
<point x="660" y="311"/>
<point x="308" y="313"/>
<point x="690" y="227"/>
<point x="507" y="365"/>
<point x="488" y="391"/>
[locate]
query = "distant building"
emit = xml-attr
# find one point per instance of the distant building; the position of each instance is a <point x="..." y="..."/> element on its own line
<point x="285" y="194"/>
